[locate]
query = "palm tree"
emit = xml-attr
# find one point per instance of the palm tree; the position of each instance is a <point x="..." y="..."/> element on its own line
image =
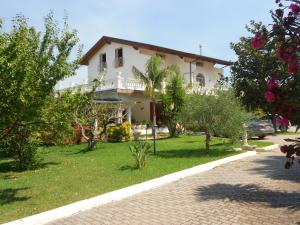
<point x="152" y="78"/>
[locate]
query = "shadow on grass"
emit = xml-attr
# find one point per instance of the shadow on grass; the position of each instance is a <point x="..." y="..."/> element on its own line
<point x="273" y="167"/>
<point x="248" y="194"/>
<point x="81" y="151"/>
<point x="11" y="166"/>
<point x="127" y="167"/>
<point x="196" y="141"/>
<point x="189" y="153"/>
<point x="9" y="195"/>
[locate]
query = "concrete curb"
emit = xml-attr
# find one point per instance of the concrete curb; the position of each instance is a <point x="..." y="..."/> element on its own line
<point x="71" y="209"/>
<point x="262" y="149"/>
<point x="267" y="148"/>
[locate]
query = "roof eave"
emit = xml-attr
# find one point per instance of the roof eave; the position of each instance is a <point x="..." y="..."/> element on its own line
<point x="105" y="39"/>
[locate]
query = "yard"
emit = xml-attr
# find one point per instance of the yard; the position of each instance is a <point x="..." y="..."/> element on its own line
<point x="70" y="173"/>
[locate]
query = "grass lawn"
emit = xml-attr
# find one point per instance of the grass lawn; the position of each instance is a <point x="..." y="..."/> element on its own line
<point x="70" y="174"/>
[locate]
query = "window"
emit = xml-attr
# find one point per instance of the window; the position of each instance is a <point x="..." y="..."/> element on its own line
<point x="119" y="57"/>
<point x="200" y="79"/>
<point x="102" y="64"/>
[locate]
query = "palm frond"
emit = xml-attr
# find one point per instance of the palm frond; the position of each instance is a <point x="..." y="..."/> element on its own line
<point x="174" y="70"/>
<point x="139" y="75"/>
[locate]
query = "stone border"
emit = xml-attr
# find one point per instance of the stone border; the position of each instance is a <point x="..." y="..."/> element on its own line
<point x="262" y="149"/>
<point x="267" y="148"/>
<point x="73" y="208"/>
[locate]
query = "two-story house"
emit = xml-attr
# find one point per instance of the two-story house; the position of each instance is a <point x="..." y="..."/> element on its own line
<point x="111" y="59"/>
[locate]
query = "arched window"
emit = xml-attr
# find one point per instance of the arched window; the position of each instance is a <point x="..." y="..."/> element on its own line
<point x="200" y="79"/>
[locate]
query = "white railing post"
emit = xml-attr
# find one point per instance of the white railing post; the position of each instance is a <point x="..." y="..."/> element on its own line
<point x="119" y="80"/>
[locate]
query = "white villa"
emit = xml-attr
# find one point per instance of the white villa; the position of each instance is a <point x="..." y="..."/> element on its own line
<point x="111" y="59"/>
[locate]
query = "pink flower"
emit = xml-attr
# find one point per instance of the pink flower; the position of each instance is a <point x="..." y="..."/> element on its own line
<point x="295" y="9"/>
<point x="272" y="84"/>
<point x="283" y="121"/>
<point x="270" y="96"/>
<point x="293" y="67"/>
<point x="292" y="58"/>
<point x="286" y="53"/>
<point x="258" y="41"/>
<point x="280" y="54"/>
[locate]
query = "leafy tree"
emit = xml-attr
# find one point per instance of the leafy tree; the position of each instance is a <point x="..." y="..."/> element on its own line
<point x="152" y="78"/>
<point x="172" y="101"/>
<point x="59" y="115"/>
<point x="220" y="112"/>
<point x="283" y="85"/>
<point x="98" y="117"/>
<point x="250" y="72"/>
<point x="31" y="63"/>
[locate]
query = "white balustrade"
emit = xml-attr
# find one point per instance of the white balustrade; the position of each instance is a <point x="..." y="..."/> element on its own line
<point x="119" y="82"/>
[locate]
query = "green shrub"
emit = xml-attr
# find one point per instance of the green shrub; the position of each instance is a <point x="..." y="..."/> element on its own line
<point x="192" y="127"/>
<point x="22" y="149"/>
<point x="120" y="132"/>
<point x="115" y="133"/>
<point x="140" y="150"/>
<point x="126" y="128"/>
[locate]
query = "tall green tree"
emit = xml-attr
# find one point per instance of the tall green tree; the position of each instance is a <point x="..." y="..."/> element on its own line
<point x="251" y="71"/>
<point x="220" y="112"/>
<point x="172" y="101"/>
<point x="153" y="77"/>
<point x="31" y="63"/>
<point x="60" y="113"/>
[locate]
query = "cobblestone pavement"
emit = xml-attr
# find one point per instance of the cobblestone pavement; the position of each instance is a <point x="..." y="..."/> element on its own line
<point x="255" y="190"/>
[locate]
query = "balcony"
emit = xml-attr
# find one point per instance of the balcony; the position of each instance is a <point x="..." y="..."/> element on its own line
<point x="120" y="82"/>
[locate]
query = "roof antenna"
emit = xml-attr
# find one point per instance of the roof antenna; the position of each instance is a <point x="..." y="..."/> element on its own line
<point x="200" y="49"/>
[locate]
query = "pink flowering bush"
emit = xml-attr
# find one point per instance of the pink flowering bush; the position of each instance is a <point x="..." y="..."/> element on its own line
<point x="283" y="85"/>
<point x="272" y="84"/>
<point x="270" y="96"/>
<point x="259" y="40"/>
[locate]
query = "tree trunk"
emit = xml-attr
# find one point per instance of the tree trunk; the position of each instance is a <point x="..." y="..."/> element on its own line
<point x="274" y="122"/>
<point x="172" y="130"/>
<point x="207" y="140"/>
<point x="93" y="134"/>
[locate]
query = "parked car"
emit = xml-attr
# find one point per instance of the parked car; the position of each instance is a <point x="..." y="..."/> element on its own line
<point x="279" y="126"/>
<point x="260" y="128"/>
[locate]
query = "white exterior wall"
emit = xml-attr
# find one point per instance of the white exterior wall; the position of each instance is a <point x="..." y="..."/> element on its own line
<point x="138" y="58"/>
<point x="130" y="55"/>
<point x="141" y="111"/>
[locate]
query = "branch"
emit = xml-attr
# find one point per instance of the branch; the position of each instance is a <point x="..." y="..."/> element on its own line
<point x="82" y="131"/>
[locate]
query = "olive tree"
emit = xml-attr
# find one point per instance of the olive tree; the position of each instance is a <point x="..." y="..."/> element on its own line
<point x="218" y="112"/>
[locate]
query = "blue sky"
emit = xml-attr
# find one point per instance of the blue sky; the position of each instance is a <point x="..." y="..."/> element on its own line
<point x="181" y="25"/>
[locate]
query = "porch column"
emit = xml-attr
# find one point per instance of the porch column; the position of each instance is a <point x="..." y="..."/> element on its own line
<point x="129" y="114"/>
<point x="120" y="118"/>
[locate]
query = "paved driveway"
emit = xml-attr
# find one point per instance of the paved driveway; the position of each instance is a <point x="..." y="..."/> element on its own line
<point x="255" y="190"/>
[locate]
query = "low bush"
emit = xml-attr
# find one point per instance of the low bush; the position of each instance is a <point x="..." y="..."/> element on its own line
<point x="119" y="133"/>
<point x="140" y="150"/>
